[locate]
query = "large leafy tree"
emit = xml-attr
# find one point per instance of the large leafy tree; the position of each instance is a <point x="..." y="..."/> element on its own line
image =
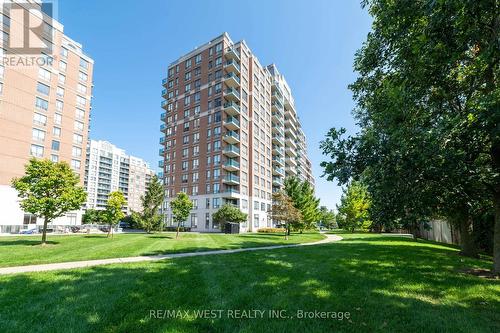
<point x="49" y="190"/>
<point x="229" y="213"/>
<point x="353" y="211"/>
<point x="427" y="103"/>
<point x="150" y="218"/>
<point x="302" y="195"/>
<point x="181" y="207"/>
<point x="327" y="217"/>
<point x="113" y="212"/>
<point x="92" y="216"/>
<point x="284" y="211"/>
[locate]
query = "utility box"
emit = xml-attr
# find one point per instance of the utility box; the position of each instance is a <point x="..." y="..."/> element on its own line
<point x="232" y="228"/>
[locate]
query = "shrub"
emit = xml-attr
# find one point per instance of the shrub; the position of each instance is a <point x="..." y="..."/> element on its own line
<point x="271" y="230"/>
<point x="181" y="229"/>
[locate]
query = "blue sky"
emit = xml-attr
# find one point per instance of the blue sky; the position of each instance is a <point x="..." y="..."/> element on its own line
<point x="132" y="42"/>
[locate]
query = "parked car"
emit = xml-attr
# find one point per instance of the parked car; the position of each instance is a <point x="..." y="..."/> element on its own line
<point x="124" y="225"/>
<point x="75" y="229"/>
<point x="28" y="231"/>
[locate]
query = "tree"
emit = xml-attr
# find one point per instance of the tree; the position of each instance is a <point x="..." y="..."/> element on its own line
<point x="181" y="207"/>
<point x="229" y="213"/>
<point x="284" y="211"/>
<point x="150" y="218"/>
<point x="353" y="211"/>
<point x="327" y="218"/>
<point x="92" y="216"/>
<point x="427" y="105"/>
<point x="49" y="190"/>
<point x="113" y="212"/>
<point x="302" y="195"/>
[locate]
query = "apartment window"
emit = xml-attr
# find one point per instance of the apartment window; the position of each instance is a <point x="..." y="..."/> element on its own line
<point x="197" y="110"/>
<point x="196" y="150"/>
<point x="187" y="76"/>
<point x="184" y="178"/>
<point x="38" y="135"/>
<point x="218" y="61"/>
<point x="256" y="205"/>
<point x="2" y="71"/>
<point x="185" y="152"/>
<point x="81" y="101"/>
<point x="58" y="119"/>
<point x="216" y="201"/>
<point x="196" y="163"/>
<point x="75" y="164"/>
<point x="64" y="52"/>
<point x="217" y="131"/>
<point x="42" y="74"/>
<point x="197" y="59"/>
<point x="36" y="151"/>
<point x="197" y="71"/>
<point x="209" y="160"/>
<point x="63" y="66"/>
<point x="185" y="139"/>
<point x="42" y="88"/>
<point x="39" y="119"/>
<point x="59" y="105"/>
<point x="207" y="201"/>
<point x="55" y="145"/>
<point x="209" y="133"/>
<point x="216" y="173"/>
<point x="186" y="125"/>
<point x="79" y="113"/>
<point x="81" y="89"/>
<point x="218" y="48"/>
<point x="1" y="88"/>
<point x="208" y="174"/>
<point x="262" y="206"/>
<point x="83" y="77"/>
<point x="41" y="104"/>
<point x="76" y="152"/>
<point x="256" y="220"/>
<point x="77" y="138"/>
<point x="56" y="131"/>
<point x="84" y="64"/>
<point x="78" y="126"/>
<point x="194" y="220"/>
<point x="218" y="74"/>
<point x="218" y="88"/>
<point x="216" y="145"/>
<point x="188" y="63"/>
<point x="195" y="203"/>
<point x="216" y="161"/>
<point x="207" y="190"/>
<point x="216" y="190"/>
<point x="196" y="137"/>
<point x="187" y="87"/>
<point x="187" y="100"/>
<point x="54" y="158"/>
<point x="185" y="166"/>
<point x="61" y="79"/>
<point x="197" y="97"/>
<point x="195" y="176"/>
<point x="60" y="92"/>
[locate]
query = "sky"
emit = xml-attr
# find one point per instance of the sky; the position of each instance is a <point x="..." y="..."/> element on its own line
<point x="312" y="42"/>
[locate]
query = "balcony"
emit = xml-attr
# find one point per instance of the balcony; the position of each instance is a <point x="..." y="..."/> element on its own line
<point x="232" y="94"/>
<point x="291" y="161"/>
<point x="290" y="151"/>
<point x="231" y="53"/>
<point x="163" y="127"/>
<point x="290" y="132"/>
<point x="232" y="66"/>
<point x="230" y="193"/>
<point x="231" y="179"/>
<point x="164" y="81"/>
<point x="231" y="151"/>
<point x="289" y="122"/>
<point x="278" y="115"/>
<point x="231" y="137"/>
<point x="164" y="104"/>
<point x="276" y="105"/>
<point x="277" y="181"/>
<point x="164" y="92"/>
<point x="231" y="165"/>
<point x="278" y="161"/>
<point x="279" y="130"/>
<point x="232" y="123"/>
<point x="161" y="152"/>
<point x="278" y="139"/>
<point x="232" y="80"/>
<point x="279" y="171"/>
<point x="277" y="150"/>
<point x="232" y="108"/>
<point x="162" y="140"/>
<point x="289" y="141"/>
<point x="163" y="115"/>
<point x="161" y="163"/>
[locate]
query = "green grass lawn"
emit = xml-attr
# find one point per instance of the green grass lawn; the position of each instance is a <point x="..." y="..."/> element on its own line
<point x="386" y="284"/>
<point x="26" y="250"/>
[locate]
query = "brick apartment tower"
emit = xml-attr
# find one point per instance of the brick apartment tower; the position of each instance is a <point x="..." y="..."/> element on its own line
<point x="44" y="113"/>
<point x="230" y="133"/>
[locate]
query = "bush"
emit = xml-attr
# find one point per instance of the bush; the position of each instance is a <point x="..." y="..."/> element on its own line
<point x="271" y="230"/>
<point x="181" y="229"/>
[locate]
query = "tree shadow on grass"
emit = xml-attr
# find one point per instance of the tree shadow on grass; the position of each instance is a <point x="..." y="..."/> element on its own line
<point x="26" y="242"/>
<point x="385" y="287"/>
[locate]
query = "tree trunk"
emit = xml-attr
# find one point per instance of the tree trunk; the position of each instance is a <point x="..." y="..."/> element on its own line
<point x="468" y="245"/>
<point x="178" y="227"/>
<point x="109" y="231"/>
<point x="287" y="231"/>
<point x="44" y="231"/>
<point x="495" y="156"/>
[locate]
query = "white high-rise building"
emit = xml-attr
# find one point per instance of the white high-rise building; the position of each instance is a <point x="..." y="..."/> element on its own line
<point x="107" y="169"/>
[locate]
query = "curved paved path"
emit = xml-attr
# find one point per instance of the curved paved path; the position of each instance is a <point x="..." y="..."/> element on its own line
<point x="88" y="263"/>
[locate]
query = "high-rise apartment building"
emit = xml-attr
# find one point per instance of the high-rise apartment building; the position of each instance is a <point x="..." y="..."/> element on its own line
<point x="109" y="169"/>
<point x="230" y="133"/>
<point x="44" y="107"/>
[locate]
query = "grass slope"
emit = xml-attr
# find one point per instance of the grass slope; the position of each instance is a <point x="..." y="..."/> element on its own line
<point x="26" y="250"/>
<point x="387" y="285"/>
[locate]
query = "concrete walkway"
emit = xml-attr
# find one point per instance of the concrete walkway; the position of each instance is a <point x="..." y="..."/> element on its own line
<point x="89" y="263"/>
